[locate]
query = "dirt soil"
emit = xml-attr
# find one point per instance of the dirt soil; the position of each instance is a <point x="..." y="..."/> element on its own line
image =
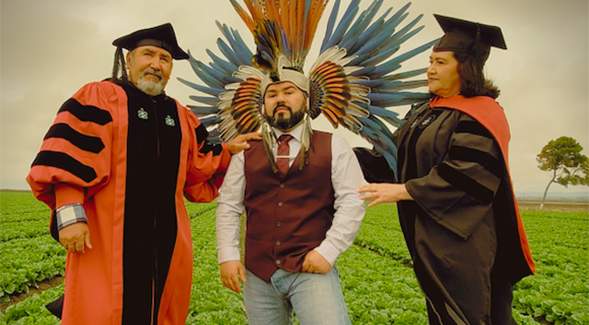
<point x="44" y="285"/>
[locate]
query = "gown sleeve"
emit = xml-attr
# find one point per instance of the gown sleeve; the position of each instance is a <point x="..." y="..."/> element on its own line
<point x="207" y="164"/>
<point x="76" y="151"/>
<point x="459" y="192"/>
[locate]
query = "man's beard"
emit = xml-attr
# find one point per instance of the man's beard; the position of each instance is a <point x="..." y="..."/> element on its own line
<point x="152" y="88"/>
<point x="286" y="123"/>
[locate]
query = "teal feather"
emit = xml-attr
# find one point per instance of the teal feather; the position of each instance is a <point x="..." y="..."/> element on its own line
<point x="360" y="26"/>
<point x="205" y="77"/>
<point x="242" y="54"/>
<point x="210" y="120"/>
<point x="205" y="100"/>
<point x="389" y="116"/>
<point x="330" y="24"/>
<point x="228" y="52"/>
<point x="226" y="66"/>
<point x="405" y="74"/>
<point x="383" y="55"/>
<point x="243" y="51"/>
<point x="392" y="99"/>
<point x="343" y="25"/>
<point x="206" y="90"/>
<point x="395" y="63"/>
<point x="202" y="111"/>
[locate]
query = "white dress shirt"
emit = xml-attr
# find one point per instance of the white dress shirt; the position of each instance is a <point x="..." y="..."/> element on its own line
<point x="346" y="178"/>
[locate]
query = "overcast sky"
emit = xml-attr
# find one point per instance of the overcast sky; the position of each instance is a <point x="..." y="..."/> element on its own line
<point x="49" y="49"/>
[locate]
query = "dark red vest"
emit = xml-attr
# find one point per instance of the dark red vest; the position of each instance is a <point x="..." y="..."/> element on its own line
<point x="286" y="217"/>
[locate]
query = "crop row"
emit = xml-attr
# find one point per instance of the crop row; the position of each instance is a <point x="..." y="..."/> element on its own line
<point x="378" y="286"/>
<point x="25" y="262"/>
<point x="559" y="292"/>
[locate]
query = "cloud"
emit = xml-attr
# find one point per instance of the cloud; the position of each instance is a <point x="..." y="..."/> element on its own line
<point x="51" y="48"/>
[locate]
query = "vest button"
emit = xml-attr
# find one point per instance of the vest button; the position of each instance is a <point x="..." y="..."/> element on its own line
<point x="281" y="185"/>
<point x="278" y="243"/>
<point x="280" y="204"/>
<point x="278" y="224"/>
<point x="277" y="262"/>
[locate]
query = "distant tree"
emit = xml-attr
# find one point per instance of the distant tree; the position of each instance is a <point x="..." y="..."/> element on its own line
<point x="568" y="165"/>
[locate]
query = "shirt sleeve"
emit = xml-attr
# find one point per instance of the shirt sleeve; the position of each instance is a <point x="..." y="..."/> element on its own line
<point x="207" y="164"/>
<point x="460" y="191"/>
<point x="346" y="178"/>
<point x="229" y="209"/>
<point x="77" y="148"/>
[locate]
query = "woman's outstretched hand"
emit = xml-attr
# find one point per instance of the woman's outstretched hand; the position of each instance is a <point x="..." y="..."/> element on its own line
<point x="383" y="193"/>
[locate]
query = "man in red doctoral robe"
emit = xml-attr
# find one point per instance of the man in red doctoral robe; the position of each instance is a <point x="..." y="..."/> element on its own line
<point x="115" y="167"/>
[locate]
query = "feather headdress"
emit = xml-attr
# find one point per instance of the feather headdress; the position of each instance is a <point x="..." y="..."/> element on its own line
<point x="351" y="83"/>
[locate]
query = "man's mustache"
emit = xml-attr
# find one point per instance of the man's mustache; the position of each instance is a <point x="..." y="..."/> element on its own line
<point x="281" y="106"/>
<point x="159" y="74"/>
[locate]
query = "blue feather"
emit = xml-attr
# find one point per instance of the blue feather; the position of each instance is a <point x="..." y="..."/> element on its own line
<point x="359" y="46"/>
<point x="396" y="38"/>
<point x="210" y="120"/>
<point x="214" y="133"/>
<point x="405" y="75"/>
<point x="202" y="111"/>
<point x="211" y="72"/>
<point x="381" y="56"/>
<point x="227" y="66"/>
<point x="214" y="140"/>
<point x="330" y="24"/>
<point x="212" y="82"/>
<point x="244" y="52"/>
<point x="395" y="63"/>
<point x="360" y="26"/>
<point x="366" y="71"/>
<point x="370" y="82"/>
<point x="205" y="100"/>
<point x="343" y="25"/>
<point x="393" y="99"/>
<point x="228" y="52"/>
<point x="396" y="85"/>
<point x="374" y="44"/>
<point x="389" y="116"/>
<point x="400" y="15"/>
<point x="206" y="90"/>
<point x="381" y="112"/>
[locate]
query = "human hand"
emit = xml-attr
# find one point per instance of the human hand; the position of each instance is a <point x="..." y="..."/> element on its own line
<point x="314" y="262"/>
<point x="231" y="271"/>
<point x="240" y="142"/>
<point x="75" y="237"/>
<point x="384" y="193"/>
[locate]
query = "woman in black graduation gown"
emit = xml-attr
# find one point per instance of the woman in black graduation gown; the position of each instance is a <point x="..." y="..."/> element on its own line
<point x="455" y="197"/>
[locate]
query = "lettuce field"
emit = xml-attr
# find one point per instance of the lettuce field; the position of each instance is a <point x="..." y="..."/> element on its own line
<point x="377" y="279"/>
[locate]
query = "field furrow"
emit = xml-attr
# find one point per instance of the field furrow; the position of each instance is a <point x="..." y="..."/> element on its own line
<point x="378" y="282"/>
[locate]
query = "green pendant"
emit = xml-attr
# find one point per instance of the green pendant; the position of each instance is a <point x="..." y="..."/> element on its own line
<point x="170" y="121"/>
<point x="142" y="114"/>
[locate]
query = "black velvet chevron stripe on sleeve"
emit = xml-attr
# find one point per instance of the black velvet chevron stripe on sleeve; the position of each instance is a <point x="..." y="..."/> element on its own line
<point x="66" y="162"/>
<point x="82" y="141"/>
<point x="465" y="183"/>
<point x="208" y="147"/>
<point x="473" y="127"/>
<point x="202" y="136"/>
<point x="201" y="133"/>
<point x="480" y="157"/>
<point x="86" y="113"/>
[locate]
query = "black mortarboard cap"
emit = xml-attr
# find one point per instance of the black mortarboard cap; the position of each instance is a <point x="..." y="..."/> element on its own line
<point x="162" y="36"/>
<point x="468" y="37"/>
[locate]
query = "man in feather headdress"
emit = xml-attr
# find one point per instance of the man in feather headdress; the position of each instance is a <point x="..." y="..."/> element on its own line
<point x="115" y="168"/>
<point x="301" y="219"/>
<point x="300" y="216"/>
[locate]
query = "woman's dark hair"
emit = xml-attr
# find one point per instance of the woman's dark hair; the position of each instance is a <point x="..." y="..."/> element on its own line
<point x="472" y="78"/>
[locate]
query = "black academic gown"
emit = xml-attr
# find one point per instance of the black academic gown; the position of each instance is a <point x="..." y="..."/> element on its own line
<point x="454" y="170"/>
